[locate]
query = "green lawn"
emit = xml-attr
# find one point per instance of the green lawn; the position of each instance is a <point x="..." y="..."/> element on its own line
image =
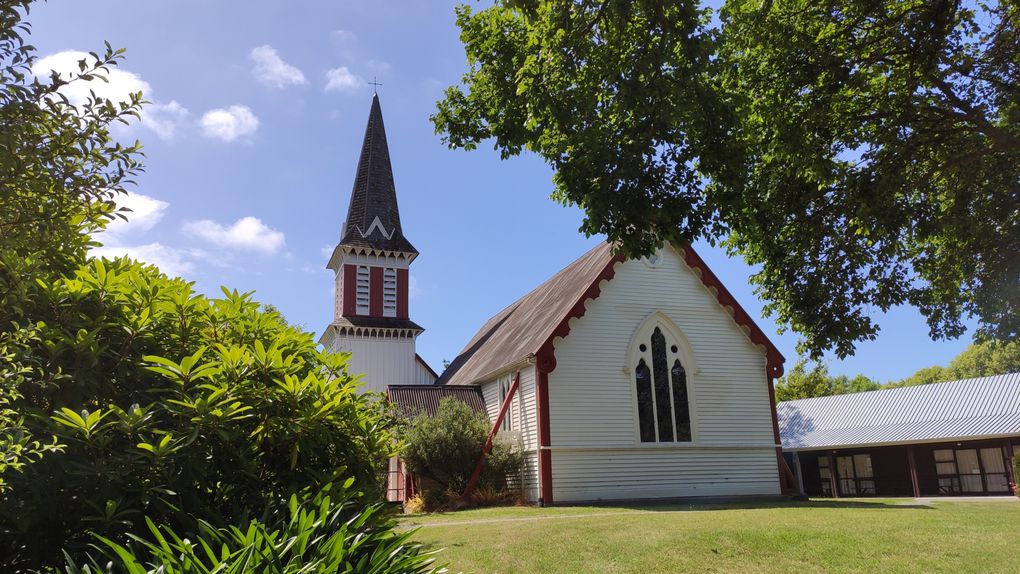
<point x="820" y="536"/>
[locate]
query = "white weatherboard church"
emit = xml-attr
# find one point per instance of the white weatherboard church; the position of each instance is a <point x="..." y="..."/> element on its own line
<point x="638" y="379"/>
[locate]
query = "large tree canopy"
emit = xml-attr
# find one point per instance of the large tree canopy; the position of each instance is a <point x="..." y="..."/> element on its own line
<point x="861" y="155"/>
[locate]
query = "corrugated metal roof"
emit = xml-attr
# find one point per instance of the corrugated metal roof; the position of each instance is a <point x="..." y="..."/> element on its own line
<point x="957" y="410"/>
<point x="413" y="400"/>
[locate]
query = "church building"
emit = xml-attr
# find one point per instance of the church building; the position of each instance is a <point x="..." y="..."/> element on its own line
<point x="621" y="379"/>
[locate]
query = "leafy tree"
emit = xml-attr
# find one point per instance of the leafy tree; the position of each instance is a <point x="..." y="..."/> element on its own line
<point x="977" y="360"/>
<point x="804" y="383"/>
<point x="60" y="169"/>
<point x="933" y="374"/>
<point x="441" y="451"/>
<point x="862" y="155"/>
<point x="59" y="172"/>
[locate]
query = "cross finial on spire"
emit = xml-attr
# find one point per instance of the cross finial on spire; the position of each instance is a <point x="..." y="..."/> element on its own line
<point x="375" y="84"/>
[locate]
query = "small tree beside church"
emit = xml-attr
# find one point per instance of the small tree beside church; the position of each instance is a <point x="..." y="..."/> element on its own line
<point x="441" y="451"/>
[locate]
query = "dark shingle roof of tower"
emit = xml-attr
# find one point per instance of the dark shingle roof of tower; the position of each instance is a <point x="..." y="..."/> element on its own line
<point x="374" y="197"/>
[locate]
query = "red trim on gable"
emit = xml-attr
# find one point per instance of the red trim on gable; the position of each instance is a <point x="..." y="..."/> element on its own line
<point x="546" y="353"/>
<point x="349" y="286"/>
<point x="774" y="359"/>
<point x="375" y="289"/>
<point x="402" y="294"/>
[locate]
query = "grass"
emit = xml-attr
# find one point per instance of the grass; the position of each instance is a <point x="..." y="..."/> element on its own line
<point x="819" y="536"/>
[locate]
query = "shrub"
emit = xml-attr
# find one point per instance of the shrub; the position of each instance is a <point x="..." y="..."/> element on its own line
<point x="1016" y="474"/>
<point x="332" y="531"/>
<point x="502" y="469"/>
<point x="416" y="504"/>
<point x="165" y="403"/>
<point x="441" y="451"/>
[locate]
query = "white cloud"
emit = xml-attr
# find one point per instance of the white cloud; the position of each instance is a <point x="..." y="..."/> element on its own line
<point x="145" y="213"/>
<point x="342" y="80"/>
<point x="326" y="251"/>
<point x="230" y="123"/>
<point x="119" y="86"/>
<point x="342" y="35"/>
<point x="271" y="70"/>
<point x="162" y="119"/>
<point x="247" y="233"/>
<point x="172" y="261"/>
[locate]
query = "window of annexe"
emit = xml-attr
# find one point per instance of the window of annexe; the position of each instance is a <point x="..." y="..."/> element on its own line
<point x="661" y="363"/>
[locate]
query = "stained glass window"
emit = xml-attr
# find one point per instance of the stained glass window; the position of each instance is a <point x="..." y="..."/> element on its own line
<point x="681" y="406"/>
<point x="660" y="374"/>
<point x="664" y="413"/>
<point x="646" y="413"/>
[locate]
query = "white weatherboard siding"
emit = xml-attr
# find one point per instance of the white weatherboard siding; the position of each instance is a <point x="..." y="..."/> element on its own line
<point x="381" y="362"/>
<point x="423" y="376"/>
<point x="596" y="451"/>
<point x="524" y="420"/>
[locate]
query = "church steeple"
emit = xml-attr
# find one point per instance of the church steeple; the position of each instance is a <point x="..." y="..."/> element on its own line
<point x="371" y="264"/>
<point x="373" y="219"/>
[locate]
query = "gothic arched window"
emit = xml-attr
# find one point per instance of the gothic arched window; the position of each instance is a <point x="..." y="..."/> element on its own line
<point x="663" y="404"/>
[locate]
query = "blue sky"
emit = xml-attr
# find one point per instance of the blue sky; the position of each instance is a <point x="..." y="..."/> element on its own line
<point x="252" y="138"/>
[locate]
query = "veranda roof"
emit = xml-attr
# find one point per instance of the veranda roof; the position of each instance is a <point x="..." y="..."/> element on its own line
<point x="985" y="407"/>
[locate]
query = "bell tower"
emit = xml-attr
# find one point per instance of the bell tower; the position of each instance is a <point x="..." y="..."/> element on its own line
<point x="371" y="261"/>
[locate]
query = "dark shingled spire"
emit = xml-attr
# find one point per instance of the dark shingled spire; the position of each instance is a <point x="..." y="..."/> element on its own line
<point x="373" y="219"/>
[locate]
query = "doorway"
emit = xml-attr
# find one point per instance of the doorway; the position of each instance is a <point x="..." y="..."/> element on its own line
<point x="854" y="475"/>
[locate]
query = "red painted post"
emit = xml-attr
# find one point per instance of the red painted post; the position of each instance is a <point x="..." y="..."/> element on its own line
<point x="544" y="454"/>
<point x="487" y="447"/>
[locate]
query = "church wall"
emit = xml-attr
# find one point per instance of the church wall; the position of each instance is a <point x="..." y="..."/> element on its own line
<point x="523" y="419"/>
<point x="391" y="361"/>
<point x="423" y="376"/>
<point x="596" y="450"/>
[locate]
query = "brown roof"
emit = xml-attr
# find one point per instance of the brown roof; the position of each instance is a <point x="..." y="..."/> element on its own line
<point x="521" y="329"/>
<point x="413" y="400"/>
<point x="527" y="328"/>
